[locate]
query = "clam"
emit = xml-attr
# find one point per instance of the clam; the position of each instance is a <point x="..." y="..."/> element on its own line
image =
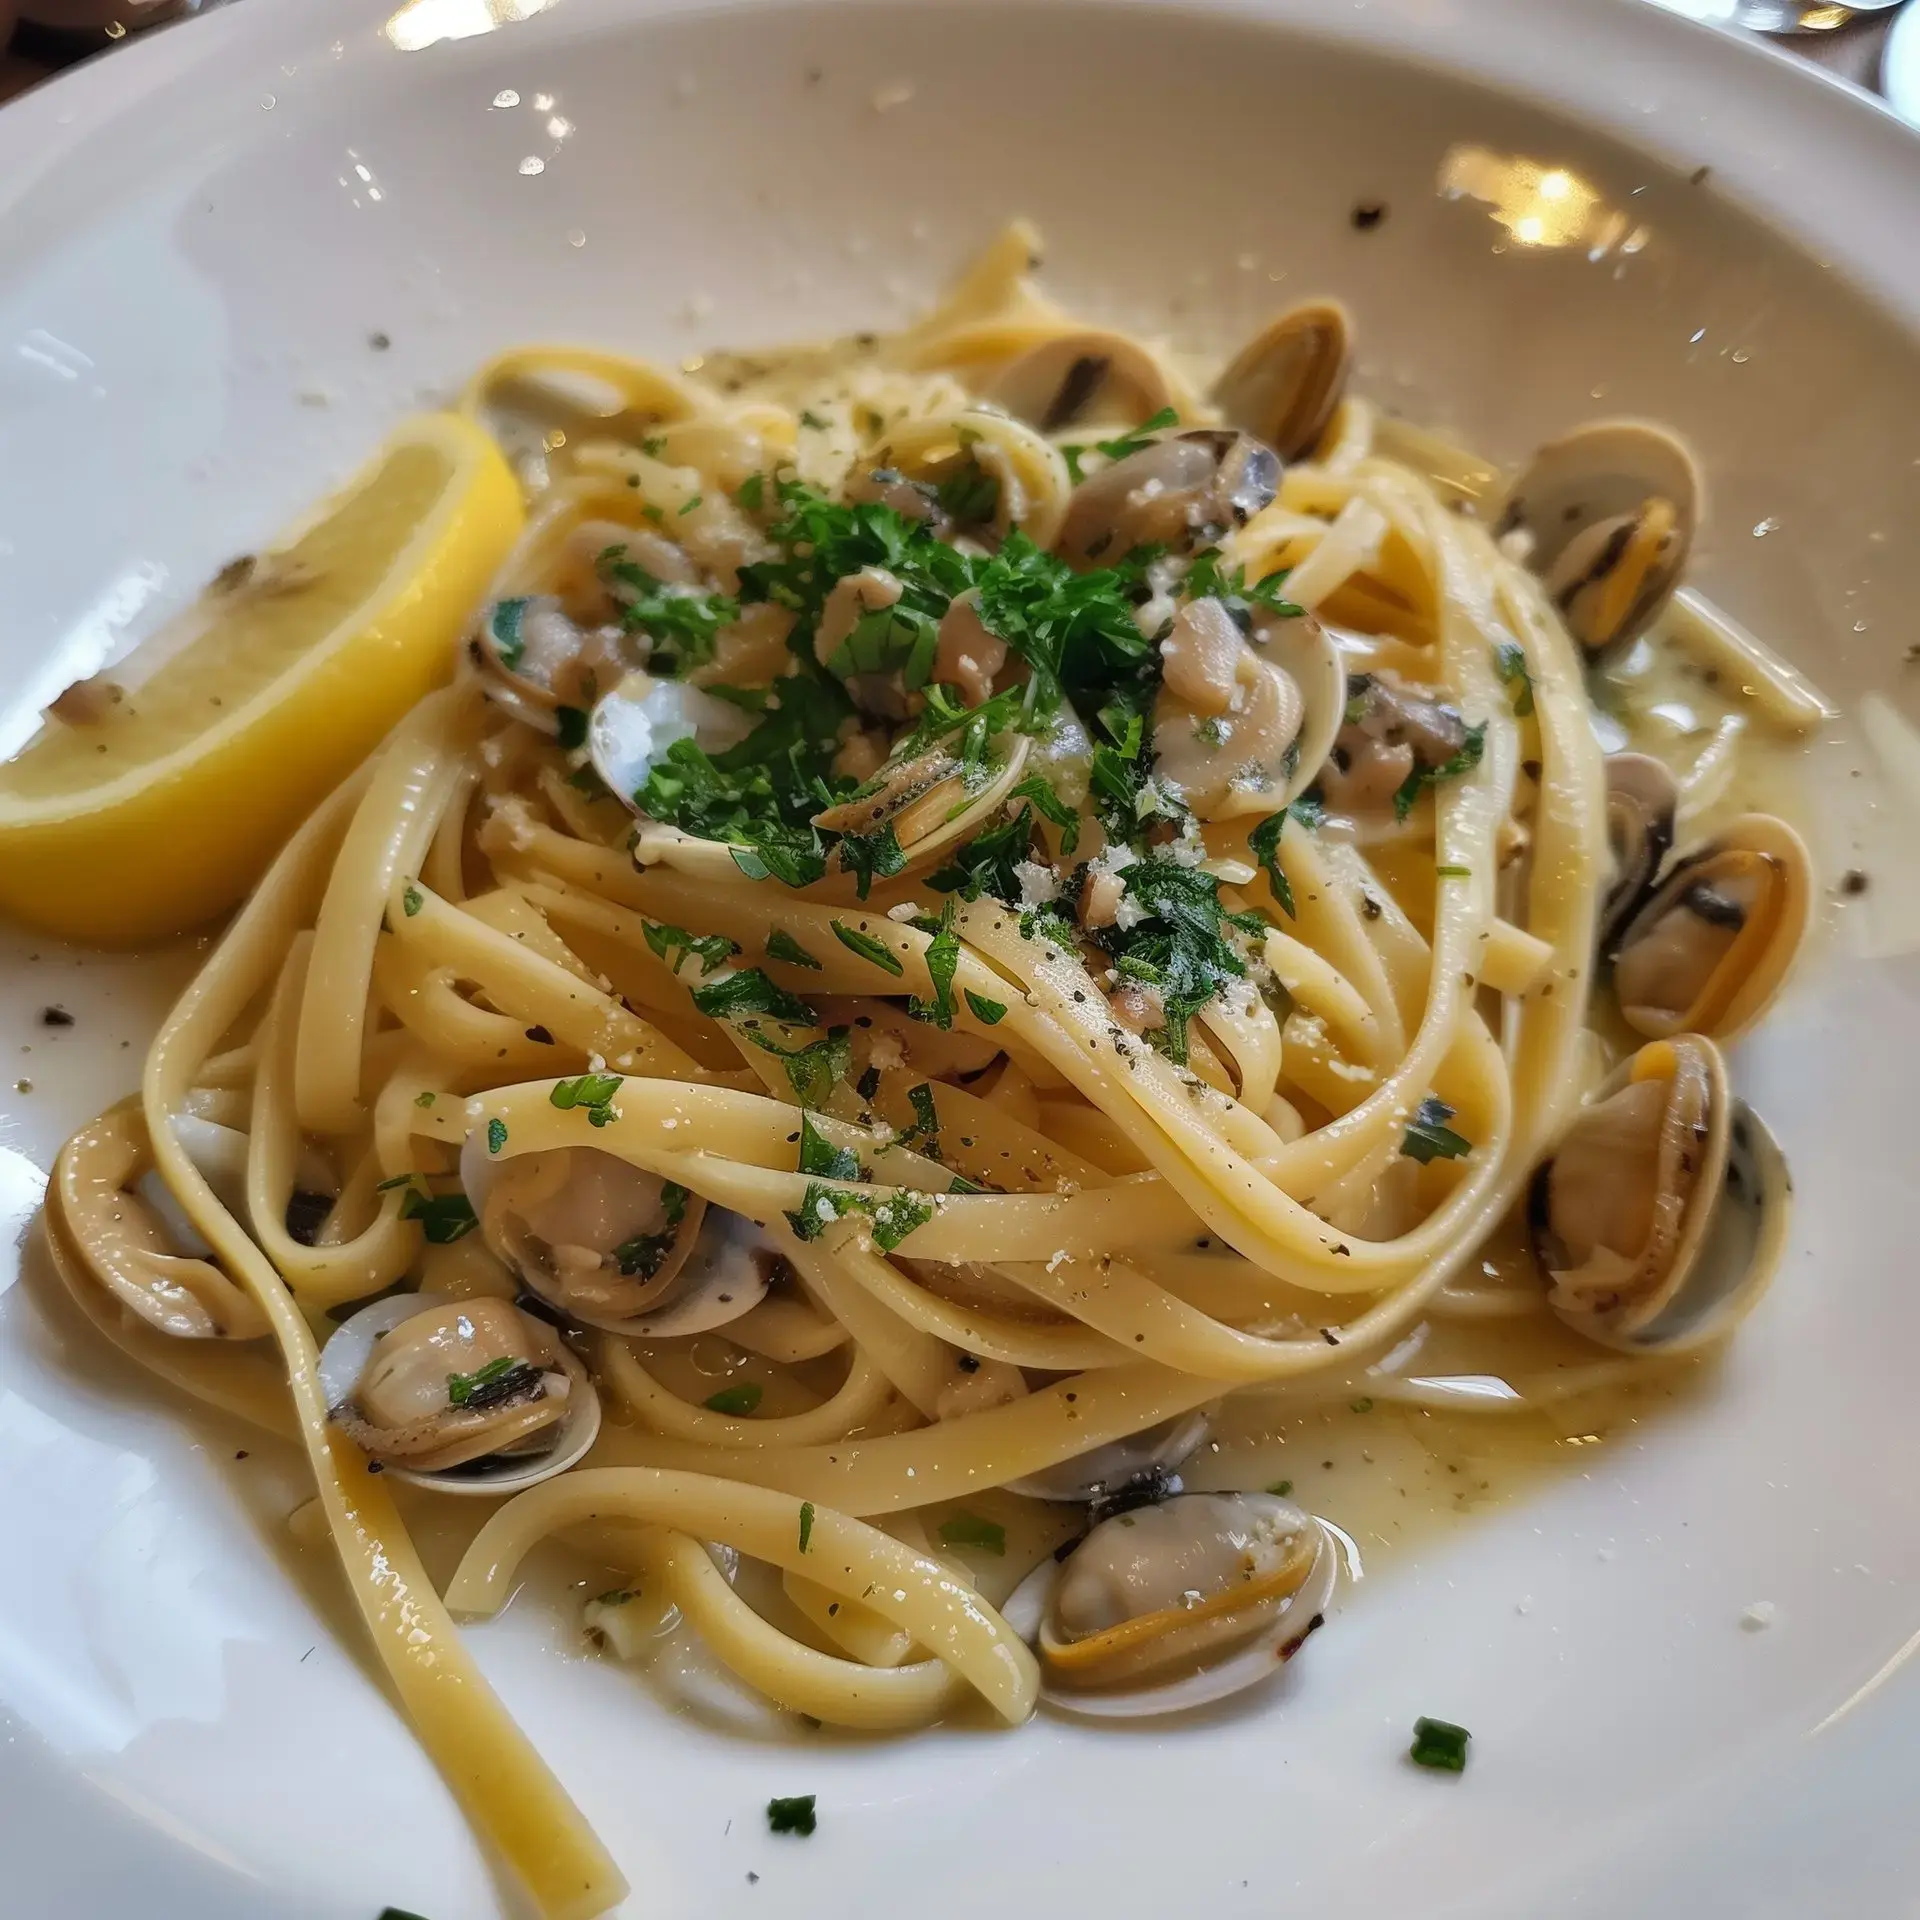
<point x="1606" y="516"/>
<point x="1285" y="383"/>
<point x="1643" y="799"/>
<point x="1244" y="720"/>
<point x="1180" y="492"/>
<point x="607" y="1244"/>
<point x="632" y="726"/>
<point x="1145" y="1462"/>
<point x="1391" y="731"/>
<point x="533" y="659"/>
<point x="1708" y="949"/>
<point x="932" y="799"/>
<point x="1081" y="376"/>
<point x="465" y="1396"/>
<point x="1661" y="1216"/>
<point x="1166" y="1607"/>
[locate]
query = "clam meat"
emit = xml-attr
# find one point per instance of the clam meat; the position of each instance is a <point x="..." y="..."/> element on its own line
<point x="1181" y="492"/>
<point x="1709" y="947"/>
<point x="1660" y="1217"/>
<point x="468" y="1396"/>
<point x="1165" y="1607"/>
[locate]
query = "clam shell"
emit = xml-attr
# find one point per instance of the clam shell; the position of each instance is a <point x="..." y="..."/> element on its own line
<point x="1247" y="1665"/>
<point x="1284" y="385"/>
<point x="344" y="1359"/>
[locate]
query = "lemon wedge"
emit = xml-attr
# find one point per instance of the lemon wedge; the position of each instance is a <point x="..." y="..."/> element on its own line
<point x="135" y="814"/>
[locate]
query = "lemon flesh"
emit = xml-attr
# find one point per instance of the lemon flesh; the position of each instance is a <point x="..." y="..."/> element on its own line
<point x="162" y="812"/>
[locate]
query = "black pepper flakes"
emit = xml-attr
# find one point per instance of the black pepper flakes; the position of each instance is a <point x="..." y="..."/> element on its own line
<point x="1853" y="882"/>
<point x="379" y="342"/>
<point x="55" y="1017"/>
<point x="540" y="1036"/>
<point x="1367" y="215"/>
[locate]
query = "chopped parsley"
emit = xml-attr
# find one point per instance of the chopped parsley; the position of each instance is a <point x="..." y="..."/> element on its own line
<point x="1429" y="1137"/>
<point x="868" y="948"/>
<point x="412" y="900"/>
<point x="1510" y="663"/>
<point x="714" y="950"/>
<point x="682" y="622"/>
<point x="1207" y="579"/>
<point x="820" y="1158"/>
<point x="871" y="856"/>
<point x="1439" y="1744"/>
<point x="748" y="992"/>
<point x="644" y="1255"/>
<point x="1118" y="449"/>
<point x="926" y="1120"/>
<point x="444" y="1217"/>
<point x="943" y="961"/>
<point x="795" y="1815"/>
<point x="496" y="1135"/>
<point x="813" y="1071"/>
<point x="806" y="1523"/>
<point x="1281" y="1488"/>
<point x="1179" y="948"/>
<point x="781" y="945"/>
<point x="741" y="1399"/>
<point x="752" y="492"/>
<point x="893" y="1219"/>
<point x="964" y="1529"/>
<point x="503" y="624"/>
<point x="425" y="1099"/>
<point x="592" y="1093"/>
<point x="988" y="1012"/>
<point x="1464" y="760"/>
<point x="986" y="863"/>
<point x="1051" y="807"/>
<point x="493" y="1385"/>
<point x="1454" y="873"/>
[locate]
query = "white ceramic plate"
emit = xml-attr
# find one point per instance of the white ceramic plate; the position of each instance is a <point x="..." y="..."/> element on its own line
<point x="199" y="236"/>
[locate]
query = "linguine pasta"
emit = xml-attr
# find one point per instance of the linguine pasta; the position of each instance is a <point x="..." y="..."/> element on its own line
<point x="899" y="973"/>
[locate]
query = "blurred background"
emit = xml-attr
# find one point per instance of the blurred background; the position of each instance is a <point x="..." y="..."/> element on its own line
<point x="1875" y="43"/>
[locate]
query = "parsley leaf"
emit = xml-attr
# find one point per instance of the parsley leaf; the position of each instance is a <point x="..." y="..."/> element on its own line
<point x="592" y="1093"/>
<point x="749" y="991"/>
<point x="1180" y="946"/>
<point x="806" y="1523"/>
<point x="988" y="1012"/>
<point x="493" y="1385"/>
<point x="1510" y="663"/>
<point x="1421" y="778"/>
<point x="645" y="1253"/>
<point x="868" y="948"/>
<point x="893" y="1219"/>
<point x="444" y="1217"/>
<point x="714" y="949"/>
<point x="1051" y="807"/>
<point x="741" y="1399"/>
<point x="1429" y="1137"/>
<point x="682" y="622"/>
<point x="926" y="1120"/>
<point x="964" y="1529"/>
<point x="781" y="945"/>
<point x="943" y="961"/>
<point x="821" y="1158"/>
<point x="496" y="1135"/>
<point x="813" y="1071"/>
<point x="1265" y="843"/>
<point x="1440" y="1744"/>
<point x="795" y="1815"/>
<point x="871" y="856"/>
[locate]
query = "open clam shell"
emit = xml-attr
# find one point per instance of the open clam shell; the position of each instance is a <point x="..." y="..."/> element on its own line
<point x="1643" y="801"/>
<point x="709" y="1267"/>
<point x="1164" y="1608"/>
<point x="1708" y="949"/>
<point x="1085" y="375"/>
<point x="926" y="799"/>
<point x="527" y="1453"/>
<point x="1151" y="1457"/>
<point x="1608" y="515"/>
<point x="1284" y="385"/>
<point x="1661" y="1216"/>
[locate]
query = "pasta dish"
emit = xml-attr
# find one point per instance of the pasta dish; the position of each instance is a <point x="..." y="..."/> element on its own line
<point x="973" y="902"/>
